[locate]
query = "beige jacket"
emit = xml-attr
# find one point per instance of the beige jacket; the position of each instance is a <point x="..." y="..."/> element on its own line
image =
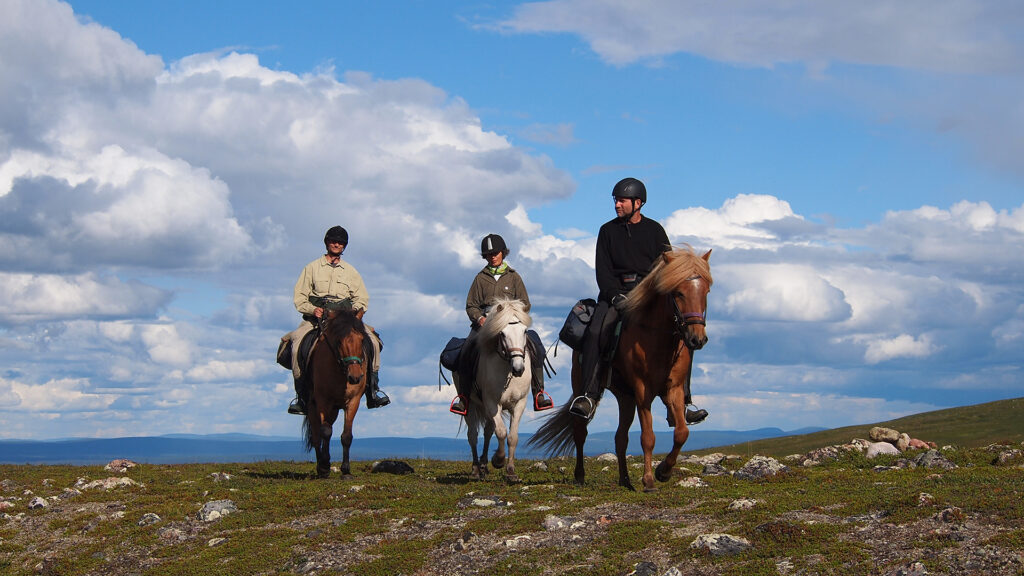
<point x="319" y="278"/>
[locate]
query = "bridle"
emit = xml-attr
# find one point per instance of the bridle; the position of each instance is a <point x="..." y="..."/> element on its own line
<point x="680" y="320"/>
<point x="509" y="353"/>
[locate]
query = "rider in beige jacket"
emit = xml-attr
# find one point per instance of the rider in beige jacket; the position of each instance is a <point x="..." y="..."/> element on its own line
<point x="331" y="277"/>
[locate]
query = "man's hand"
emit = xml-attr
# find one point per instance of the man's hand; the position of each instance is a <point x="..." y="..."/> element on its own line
<point x="481" y="321"/>
<point x="319" y="312"/>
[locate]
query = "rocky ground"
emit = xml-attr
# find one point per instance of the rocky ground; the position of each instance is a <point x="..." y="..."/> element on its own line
<point x="702" y="526"/>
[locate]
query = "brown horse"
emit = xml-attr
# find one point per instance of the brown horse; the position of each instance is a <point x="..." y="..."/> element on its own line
<point x="663" y="323"/>
<point x="337" y="369"/>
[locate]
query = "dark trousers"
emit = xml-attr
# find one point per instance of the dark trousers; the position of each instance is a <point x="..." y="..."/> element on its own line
<point x="603" y="321"/>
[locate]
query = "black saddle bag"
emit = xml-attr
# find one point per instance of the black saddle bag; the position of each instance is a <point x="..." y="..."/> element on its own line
<point x="576" y="322"/>
<point x="450" y="354"/>
<point x="284" y="353"/>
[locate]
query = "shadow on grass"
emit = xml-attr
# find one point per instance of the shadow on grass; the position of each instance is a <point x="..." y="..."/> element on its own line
<point x="281" y="475"/>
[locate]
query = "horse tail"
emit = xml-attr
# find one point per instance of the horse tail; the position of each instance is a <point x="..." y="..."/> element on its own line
<point x="307" y="433"/>
<point x="555" y="436"/>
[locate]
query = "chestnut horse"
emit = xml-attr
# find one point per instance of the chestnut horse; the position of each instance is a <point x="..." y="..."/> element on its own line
<point x="337" y="369"/>
<point x="663" y="324"/>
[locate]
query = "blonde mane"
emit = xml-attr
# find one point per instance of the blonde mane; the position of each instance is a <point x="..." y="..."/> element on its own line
<point x="503" y="311"/>
<point x="671" y="269"/>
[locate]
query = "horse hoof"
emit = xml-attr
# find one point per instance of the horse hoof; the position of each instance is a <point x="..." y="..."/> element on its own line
<point x="662" y="476"/>
<point x="627" y="485"/>
<point x="498" y="463"/>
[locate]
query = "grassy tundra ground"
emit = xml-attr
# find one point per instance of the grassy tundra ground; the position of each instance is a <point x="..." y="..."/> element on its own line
<point x="842" y="517"/>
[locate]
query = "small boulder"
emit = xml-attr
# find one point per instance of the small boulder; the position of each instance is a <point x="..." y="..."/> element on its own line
<point x="903" y="441"/>
<point x="120" y="465"/>
<point x="692" y="482"/>
<point x="720" y="544"/>
<point x="607" y="457"/>
<point x="761" y="467"/>
<point x="37" y="502"/>
<point x="148" y="519"/>
<point x="918" y="444"/>
<point x="392" y="467"/>
<point x="932" y="459"/>
<point x="881" y="434"/>
<point x="879" y="448"/>
<point x="742" y="504"/>
<point x="216" y="509"/>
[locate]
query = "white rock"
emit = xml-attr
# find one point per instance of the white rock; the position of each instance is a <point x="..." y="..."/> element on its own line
<point x="880" y="448"/>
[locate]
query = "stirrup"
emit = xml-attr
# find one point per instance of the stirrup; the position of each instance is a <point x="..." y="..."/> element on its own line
<point x="455" y="410"/>
<point x="297" y="407"/>
<point x="542" y="395"/>
<point x="378" y="400"/>
<point x="576" y="410"/>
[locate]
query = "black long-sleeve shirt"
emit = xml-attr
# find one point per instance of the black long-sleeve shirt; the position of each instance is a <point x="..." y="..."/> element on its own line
<point x="624" y="248"/>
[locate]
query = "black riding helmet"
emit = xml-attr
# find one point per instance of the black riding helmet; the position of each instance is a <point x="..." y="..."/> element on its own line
<point x="493" y="243"/>
<point x="630" y="188"/>
<point x="336" y="234"/>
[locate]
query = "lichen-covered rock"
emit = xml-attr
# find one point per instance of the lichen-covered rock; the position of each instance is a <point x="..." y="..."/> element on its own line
<point x="761" y="467"/>
<point x="933" y="459"/>
<point x="216" y="509"/>
<point x="903" y="441"/>
<point x="106" y="483"/>
<point x="120" y="465"/>
<point x="720" y="544"/>
<point x="882" y="434"/>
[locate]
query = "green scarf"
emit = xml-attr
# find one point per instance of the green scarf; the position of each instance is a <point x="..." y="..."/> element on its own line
<point x="497" y="271"/>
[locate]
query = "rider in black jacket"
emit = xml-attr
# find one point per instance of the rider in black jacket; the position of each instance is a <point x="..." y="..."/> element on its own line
<point x="627" y="247"/>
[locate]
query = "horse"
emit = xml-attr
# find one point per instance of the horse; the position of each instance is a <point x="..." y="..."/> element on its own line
<point x="664" y="321"/>
<point x="337" y="374"/>
<point x="503" y="375"/>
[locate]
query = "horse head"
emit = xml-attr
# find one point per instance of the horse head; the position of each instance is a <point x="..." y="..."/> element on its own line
<point x="506" y="324"/>
<point x="684" y="279"/>
<point x="344" y="333"/>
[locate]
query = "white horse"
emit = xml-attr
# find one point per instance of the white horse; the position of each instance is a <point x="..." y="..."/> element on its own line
<point x="503" y="383"/>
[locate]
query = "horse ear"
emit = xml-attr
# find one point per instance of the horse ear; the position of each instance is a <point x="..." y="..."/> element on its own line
<point x="499" y="308"/>
<point x="707" y="255"/>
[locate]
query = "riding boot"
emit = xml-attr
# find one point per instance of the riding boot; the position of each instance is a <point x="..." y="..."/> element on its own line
<point x="460" y="402"/>
<point x="541" y="399"/>
<point x="374" y="397"/>
<point x="584" y="405"/>
<point x="692" y="416"/>
<point x="298" y="405"/>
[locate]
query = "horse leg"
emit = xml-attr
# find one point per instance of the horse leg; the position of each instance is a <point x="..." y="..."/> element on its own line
<point x="513" y="441"/>
<point x="346" y="435"/>
<point x="677" y="408"/>
<point x="323" y="450"/>
<point x="627" y="409"/>
<point x="488" y="432"/>
<point x="500" y="435"/>
<point x="472" y="435"/>
<point x="647" y="443"/>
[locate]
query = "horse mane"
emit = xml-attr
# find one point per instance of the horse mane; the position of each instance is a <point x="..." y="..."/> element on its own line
<point x="343" y="322"/>
<point x="503" y="311"/>
<point x="670" y="270"/>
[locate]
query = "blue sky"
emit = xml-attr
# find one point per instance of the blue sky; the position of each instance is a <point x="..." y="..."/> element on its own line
<point x="166" y="169"/>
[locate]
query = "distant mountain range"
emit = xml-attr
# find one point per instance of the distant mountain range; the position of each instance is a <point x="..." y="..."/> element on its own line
<point x="186" y="448"/>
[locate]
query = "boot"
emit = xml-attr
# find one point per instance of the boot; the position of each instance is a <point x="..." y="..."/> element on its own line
<point x="583" y="406"/>
<point x="542" y="401"/>
<point x="458" y="405"/>
<point x="297" y="406"/>
<point x="695" y="416"/>
<point x="374" y="397"/>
